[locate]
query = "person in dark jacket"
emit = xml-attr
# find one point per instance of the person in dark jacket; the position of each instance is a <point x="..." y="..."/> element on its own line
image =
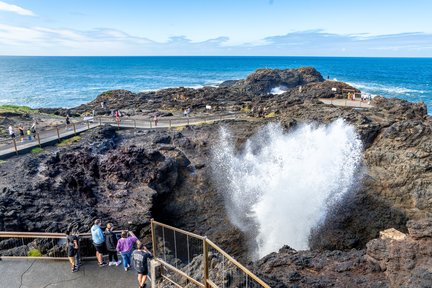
<point x="139" y="260"/>
<point x="111" y="245"/>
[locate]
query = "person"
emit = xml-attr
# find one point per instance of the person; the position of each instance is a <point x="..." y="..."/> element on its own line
<point x="33" y="130"/>
<point x="111" y="245"/>
<point x="72" y="248"/>
<point x="78" y="252"/>
<point x="29" y="135"/>
<point x="185" y="113"/>
<point x="21" y="132"/>
<point x="11" y="132"/>
<point x="67" y="122"/>
<point x="98" y="238"/>
<point x="117" y="116"/>
<point x="139" y="258"/>
<point x="124" y="246"/>
<point x="188" y="111"/>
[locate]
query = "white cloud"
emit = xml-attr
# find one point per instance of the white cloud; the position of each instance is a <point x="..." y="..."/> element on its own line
<point x="15" y="40"/>
<point x="15" y="9"/>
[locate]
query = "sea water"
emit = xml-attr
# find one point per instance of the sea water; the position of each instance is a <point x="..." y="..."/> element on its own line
<point x="71" y="81"/>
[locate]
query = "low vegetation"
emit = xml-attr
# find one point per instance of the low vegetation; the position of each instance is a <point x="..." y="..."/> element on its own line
<point x="69" y="141"/>
<point x="34" y="253"/>
<point x="270" y="115"/>
<point x="16" y="109"/>
<point x="36" y="150"/>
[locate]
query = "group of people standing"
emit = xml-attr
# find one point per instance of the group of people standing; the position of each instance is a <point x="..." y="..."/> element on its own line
<point x="107" y="243"/>
<point x="31" y="131"/>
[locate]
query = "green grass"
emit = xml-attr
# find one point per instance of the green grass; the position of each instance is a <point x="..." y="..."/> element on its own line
<point x="36" y="150"/>
<point x="69" y="141"/>
<point x="2" y="161"/>
<point x="34" y="253"/>
<point x="246" y="109"/>
<point x="16" y="109"/>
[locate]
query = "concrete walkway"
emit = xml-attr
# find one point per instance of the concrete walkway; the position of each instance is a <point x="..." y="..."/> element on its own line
<point x="51" y="273"/>
<point x="55" y="134"/>
<point x="346" y="103"/>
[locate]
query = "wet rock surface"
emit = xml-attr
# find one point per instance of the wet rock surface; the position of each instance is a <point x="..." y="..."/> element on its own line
<point x="128" y="178"/>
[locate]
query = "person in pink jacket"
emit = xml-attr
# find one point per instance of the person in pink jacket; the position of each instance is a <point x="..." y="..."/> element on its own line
<point x="125" y="247"/>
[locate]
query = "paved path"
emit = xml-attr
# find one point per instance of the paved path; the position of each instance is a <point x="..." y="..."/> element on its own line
<point x="346" y="103"/>
<point x="53" y="135"/>
<point x="51" y="274"/>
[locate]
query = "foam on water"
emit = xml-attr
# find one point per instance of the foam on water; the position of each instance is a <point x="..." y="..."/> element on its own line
<point x="281" y="184"/>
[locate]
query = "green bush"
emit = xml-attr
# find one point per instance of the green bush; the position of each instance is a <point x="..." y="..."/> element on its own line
<point x="69" y="141"/>
<point x="36" y="150"/>
<point x="16" y="109"/>
<point x="34" y="253"/>
<point x="270" y="115"/>
<point x="2" y="161"/>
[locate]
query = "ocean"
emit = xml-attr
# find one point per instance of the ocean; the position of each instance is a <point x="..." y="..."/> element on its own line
<point x="71" y="81"/>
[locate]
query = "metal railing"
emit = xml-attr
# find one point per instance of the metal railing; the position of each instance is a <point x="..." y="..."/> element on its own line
<point x="355" y="103"/>
<point x="56" y="133"/>
<point x="42" y="245"/>
<point x="190" y="259"/>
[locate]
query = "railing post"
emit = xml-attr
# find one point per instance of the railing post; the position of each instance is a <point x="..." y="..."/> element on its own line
<point x="100" y="121"/>
<point x="170" y="124"/>
<point x="188" y="121"/>
<point x="205" y="262"/>
<point x="152" y="225"/>
<point x="118" y="125"/>
<point x="74" y="127"/>
<point x="58" y="133"/>
<point x="150" y="121"/>
<point x="38" y="138"/>
<point x="88" y="124"/>
<point x="15" y="146"/>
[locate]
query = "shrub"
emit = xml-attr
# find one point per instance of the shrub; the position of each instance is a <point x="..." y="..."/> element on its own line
<point x="34" y="253"/>
<point x="69" y="141"/>
<point x="245" y="109"/>
<point x="36" y="150"/>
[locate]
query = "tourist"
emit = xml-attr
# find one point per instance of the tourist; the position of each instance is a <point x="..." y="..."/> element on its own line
<point x="29" y="135"/>
<point x="188" y="111"/>
<point x="72" y="248"/>
<point x="33" y="130"/>
<point x="124" y="246"/>
<point x="78" y="252"/>
<point x="117" y="116"/>
<point x="11" y="132"/>
<point x="111" y="245"/>
<point x="67" y="122"/>
<point x="98" y="238"/>
<point x="21" y="132"/>
<point x="139" y="258"/>
<point x="185" y="113"/>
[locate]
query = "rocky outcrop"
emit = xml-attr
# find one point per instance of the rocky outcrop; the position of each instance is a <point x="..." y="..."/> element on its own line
<point x="404" y="259"/>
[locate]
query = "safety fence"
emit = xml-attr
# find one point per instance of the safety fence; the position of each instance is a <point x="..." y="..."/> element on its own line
<point x="353" y="102"/>
<point x="56" y="133"/>
<point x="52" y="246"/>
<point x="190" y="260"/>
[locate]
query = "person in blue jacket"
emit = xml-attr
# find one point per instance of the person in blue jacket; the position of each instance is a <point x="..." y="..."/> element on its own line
<point x="98" y="238"/>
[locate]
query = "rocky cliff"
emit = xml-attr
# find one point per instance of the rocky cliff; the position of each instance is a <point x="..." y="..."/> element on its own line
<point x="128" y="178"/>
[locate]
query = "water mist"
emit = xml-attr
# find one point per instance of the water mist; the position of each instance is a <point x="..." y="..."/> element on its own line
<point x="281" y="184"/>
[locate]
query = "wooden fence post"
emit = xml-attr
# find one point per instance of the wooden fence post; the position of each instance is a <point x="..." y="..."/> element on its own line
<point x="205" y="255"/>
<point x="74" y="127"/>
<point x="38" y="138"/>
<point x="15" y="146"/>
<point x="88" y="124"/>
<point x="58" y="133"/>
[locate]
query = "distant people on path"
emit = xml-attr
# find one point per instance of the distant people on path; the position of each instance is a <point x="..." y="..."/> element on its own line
<point x="21" y="133"/>
<point x="125" y="246"/>
<point x="111" y="245"/>
<point x="11" y="132"/>
<point x="29" y="134"/>
<point x="98" y="238"/>
<point x="67" y="122"/>
<point x="117" y="116"/>
<point x="33" y="130"/>
<point x="103" y="104"/>
<point x="185" y="113"/>
<point x="72" y="248"/>
<point x="139" y="260"/>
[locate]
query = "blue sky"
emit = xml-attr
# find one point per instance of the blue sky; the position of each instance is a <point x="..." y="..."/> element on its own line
<point x="397" y="28"/>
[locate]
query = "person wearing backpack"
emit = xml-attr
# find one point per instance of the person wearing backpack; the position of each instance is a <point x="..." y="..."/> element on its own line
<point x="71" y="249"/>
